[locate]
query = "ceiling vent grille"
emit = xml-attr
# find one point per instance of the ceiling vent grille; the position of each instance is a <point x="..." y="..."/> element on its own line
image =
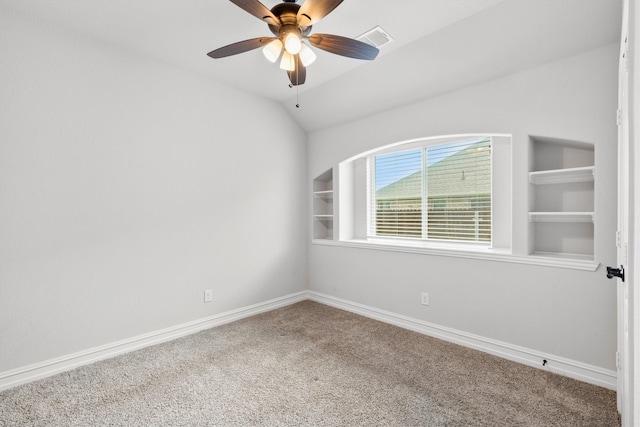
<point x="376" y="37"/>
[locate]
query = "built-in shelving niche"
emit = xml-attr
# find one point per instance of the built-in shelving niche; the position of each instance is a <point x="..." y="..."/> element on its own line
<point x="561" y="211"/>
<point x="323" y="206"/>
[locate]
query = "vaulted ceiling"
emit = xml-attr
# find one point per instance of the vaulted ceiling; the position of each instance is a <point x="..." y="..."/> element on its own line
<point x="439" y="45"/>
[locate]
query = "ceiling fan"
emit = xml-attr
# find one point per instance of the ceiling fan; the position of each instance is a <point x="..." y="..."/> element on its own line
<point x="291" y="25"/>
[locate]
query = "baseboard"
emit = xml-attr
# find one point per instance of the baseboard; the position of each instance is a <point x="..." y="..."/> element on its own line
<point x="560" y="365"/>
<point x="15" y="377"/>
<point x="570" y="368"/>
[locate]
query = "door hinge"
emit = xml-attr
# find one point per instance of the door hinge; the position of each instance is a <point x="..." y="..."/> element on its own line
<point x="618" y="117"/>
<point x="618" y="239"/>
<point x="618" y="360"/>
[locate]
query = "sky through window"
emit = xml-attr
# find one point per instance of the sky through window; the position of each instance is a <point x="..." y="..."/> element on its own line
<point x="412" y="161"/>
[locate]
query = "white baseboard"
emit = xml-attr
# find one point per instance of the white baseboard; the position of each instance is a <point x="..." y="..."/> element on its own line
<point x="15" y="377"/>
<point x="560" y="365"/>
<point x="570" y="368"/>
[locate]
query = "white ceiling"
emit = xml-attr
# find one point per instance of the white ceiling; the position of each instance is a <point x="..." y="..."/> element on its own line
<point x="439" y="45"/>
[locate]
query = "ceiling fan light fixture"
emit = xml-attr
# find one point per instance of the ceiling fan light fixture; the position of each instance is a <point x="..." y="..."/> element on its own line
<point x="307" y="55"/>
<point x="288" y="61"/>
<point x="292" y="43"/>
<point x="272" y="50"/>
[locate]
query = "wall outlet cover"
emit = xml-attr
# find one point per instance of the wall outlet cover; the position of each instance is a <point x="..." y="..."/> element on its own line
<point x="208" y="295"/>
<point x="424" y="298"/>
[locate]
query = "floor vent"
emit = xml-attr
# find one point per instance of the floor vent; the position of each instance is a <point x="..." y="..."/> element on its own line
<point x="376" y="37"/>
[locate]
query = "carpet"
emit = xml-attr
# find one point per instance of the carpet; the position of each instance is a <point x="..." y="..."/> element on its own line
<point x="307" y="364"/>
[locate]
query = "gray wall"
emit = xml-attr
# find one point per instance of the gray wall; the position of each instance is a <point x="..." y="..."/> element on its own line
<point x="563" y="312"/>
<point x="127" y="187"/>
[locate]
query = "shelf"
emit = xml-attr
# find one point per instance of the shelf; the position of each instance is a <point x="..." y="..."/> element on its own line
<point x="324" y="217"/>
<point x="562" y="176"/>
<point x="322" y="196"/>
<point x="562" y="200"/>
<point x="561" y="217"/>
<point x="563" y="256"/>
<point x="325" y="194"/>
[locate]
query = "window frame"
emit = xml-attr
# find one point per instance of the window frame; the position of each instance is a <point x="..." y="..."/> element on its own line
<point x="424" y="241"/>
<point x="351" y="208"/>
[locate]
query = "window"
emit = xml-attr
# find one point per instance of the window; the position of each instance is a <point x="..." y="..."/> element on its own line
<point x="432" y="192"/>
<point x="435" y="194"/>
<point x="447" y="195"/>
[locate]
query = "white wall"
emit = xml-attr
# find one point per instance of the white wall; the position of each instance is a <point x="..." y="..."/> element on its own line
<point x="127" y="187"/>
<point x="562" y="312"/>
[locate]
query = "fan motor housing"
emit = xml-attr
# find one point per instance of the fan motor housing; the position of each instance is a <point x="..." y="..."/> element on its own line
<point x="287" y="13"/>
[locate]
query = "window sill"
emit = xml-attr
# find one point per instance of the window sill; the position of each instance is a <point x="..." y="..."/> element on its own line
<point x="488" y="254"/>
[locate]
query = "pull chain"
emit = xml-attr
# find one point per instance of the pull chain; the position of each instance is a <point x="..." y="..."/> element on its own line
<point x="297" y="88"/>
<point x="298" y="85"/>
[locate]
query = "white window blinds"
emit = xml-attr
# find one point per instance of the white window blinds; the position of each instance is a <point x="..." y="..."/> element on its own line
<point x="459" y="191"/>
<point x="398" y="195"/>
<point x="449" y="199"/>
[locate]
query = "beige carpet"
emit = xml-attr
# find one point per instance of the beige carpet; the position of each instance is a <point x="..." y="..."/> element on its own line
<point x="307" y="364"/>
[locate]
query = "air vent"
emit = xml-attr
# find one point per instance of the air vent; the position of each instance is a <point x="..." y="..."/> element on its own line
<point x="376" y="37"/>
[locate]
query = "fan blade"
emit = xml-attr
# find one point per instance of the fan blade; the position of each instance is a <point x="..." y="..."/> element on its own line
<point x="299" y="75"/>
<point x="312" y="11"/>
<point x="239" y="47"/>
<point x="343" y="46"/>
<point x="258" y="10"/>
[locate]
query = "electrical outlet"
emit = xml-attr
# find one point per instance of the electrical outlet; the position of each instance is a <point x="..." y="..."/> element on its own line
<point x="424" y="298"/>
<point x="208" y="295"/>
